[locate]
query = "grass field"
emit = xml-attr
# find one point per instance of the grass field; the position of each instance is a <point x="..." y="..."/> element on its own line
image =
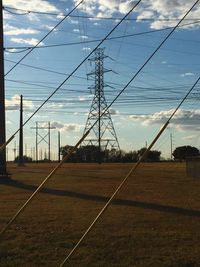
<point x="154" y="220"/>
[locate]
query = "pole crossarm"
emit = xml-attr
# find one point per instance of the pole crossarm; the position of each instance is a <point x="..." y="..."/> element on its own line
<point x="43" y="138"/>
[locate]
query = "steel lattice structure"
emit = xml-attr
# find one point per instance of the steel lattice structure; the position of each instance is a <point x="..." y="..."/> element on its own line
<point x="103" y="134"/>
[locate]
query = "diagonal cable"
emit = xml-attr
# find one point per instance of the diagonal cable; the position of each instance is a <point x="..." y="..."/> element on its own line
<point x="85" y="135"/>
<point x="133" y="169"/>
<point x="71" y="74"/>
<point x="74" y="148"/>
<point x="98" y="40"/>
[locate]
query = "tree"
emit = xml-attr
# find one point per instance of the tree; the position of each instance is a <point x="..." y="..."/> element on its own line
<point x="65" y="150"/>
<point x="131" y="156"/>
<point x="183" y="152"/>
<point x="152" y="155"/>
<point x="25" y="159"/>
<point x="90" y="153"/>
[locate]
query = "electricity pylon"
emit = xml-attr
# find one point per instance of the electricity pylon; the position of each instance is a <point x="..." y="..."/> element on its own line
<point x="103" y="134"/>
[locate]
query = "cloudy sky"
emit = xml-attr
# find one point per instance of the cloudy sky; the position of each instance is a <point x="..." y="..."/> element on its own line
<point x="144" y="106"/>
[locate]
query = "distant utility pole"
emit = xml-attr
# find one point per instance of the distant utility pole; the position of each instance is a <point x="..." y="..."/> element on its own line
<point x="58" y="146"/>
<point x="21" y="146"/>
<point x="15" y="150"/>
<point x="171" y="145"/>
<point x="3" y="171"/>
<point x="41" y="137"/>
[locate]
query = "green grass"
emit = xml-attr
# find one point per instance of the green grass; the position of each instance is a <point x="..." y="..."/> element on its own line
<point x="154" y="220"/>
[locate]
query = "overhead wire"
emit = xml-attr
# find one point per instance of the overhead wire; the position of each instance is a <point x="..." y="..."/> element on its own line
<point x="41" y="40"/>
<point x="83" y="36"/>
<point x="145" y="153"/>
<point x="72" y="73"/>
<point x="86" y="134"/>
<point x="47" y="70"/>
<point x="15" y="13"/>
<point x="98" y="40"/>
<point x="169" y="93"/>
<point x="6" y="8"/>
<point x="78" y="143"/>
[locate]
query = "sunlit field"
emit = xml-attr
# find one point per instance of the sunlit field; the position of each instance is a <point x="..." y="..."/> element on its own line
<point x="154" y="220"/>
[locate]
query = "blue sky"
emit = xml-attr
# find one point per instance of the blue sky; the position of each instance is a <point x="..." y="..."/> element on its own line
<point x="147" y="102"/>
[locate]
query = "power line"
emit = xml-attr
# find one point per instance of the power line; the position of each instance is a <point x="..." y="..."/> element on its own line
<point x="84" y="136"/>
<point x="79" y="142"/>
<point x="47" y="70"/>
<point x="133" y="169"/>
<point x="26" y="12"/>
<point x="98" y="40"/>
<point x="72" y="73"/>
<point x="44" y="37"/>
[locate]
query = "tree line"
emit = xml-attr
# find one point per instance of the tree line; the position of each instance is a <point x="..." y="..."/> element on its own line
<point x="91" y="154"/>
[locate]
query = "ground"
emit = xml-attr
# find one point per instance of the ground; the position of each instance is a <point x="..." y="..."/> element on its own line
<point x="153" y="221"/>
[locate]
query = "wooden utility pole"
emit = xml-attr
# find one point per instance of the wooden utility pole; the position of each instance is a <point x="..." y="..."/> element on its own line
<point x="21" y="141"/>
<point x="3" y="171"/>
<point x="58" y="146"/>
<point x="171" y="146"/>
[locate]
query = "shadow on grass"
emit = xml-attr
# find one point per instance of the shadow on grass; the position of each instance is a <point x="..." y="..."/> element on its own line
<point x="121" y="202"/>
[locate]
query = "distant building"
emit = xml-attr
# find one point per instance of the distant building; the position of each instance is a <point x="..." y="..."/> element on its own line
<point x="193" y="167"/>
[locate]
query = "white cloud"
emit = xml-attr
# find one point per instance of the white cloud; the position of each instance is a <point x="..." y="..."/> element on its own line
<point x="11" y="30"/>
<point x="60" y="16"/>
<point x="183" y="119"/>
<point x="82" y="98"/>
<point x="42" y="5"/>
<point x="14" y="103"/>
<point x="86" y="48"/>
<point x="33" y="5"/>
<point x="163" y="11"/>
<point x="76" y="30"/>
<point x="113" y="111"/>
<point x="28" y="41"/>
<point x="67" y="127"/>
<point x="72" y="21"/>
<point x="96" y="24"/>
<point x="83" y="37"/>
<point x="48" y="27"/>
<point x="187" y="74"/>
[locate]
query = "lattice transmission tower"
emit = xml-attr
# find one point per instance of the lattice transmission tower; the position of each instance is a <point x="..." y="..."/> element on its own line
<point x="103" y="134"/>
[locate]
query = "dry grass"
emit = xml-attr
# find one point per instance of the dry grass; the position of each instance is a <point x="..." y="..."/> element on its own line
<point x="154" y="221"/>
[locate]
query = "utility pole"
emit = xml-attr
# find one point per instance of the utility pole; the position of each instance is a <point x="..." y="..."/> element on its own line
<point x="26" y="150"/>
<point x="49" y="130"/>
<point x="15" y="150"/>
<point x="43" y="137"/>
<point x="21" y="147"/>
<point x="171" y="145"/>
<point x="58" y="146"/>
<point x="3" y="171"/>
<point x="36" y="142"/>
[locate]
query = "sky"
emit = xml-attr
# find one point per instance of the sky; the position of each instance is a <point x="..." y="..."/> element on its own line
<point x="143" y="107"/>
